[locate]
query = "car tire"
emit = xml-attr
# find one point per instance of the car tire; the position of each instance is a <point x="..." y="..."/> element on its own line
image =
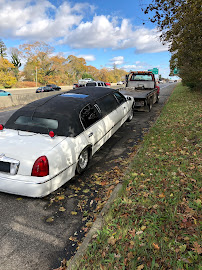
<point x="130" y="117"/>
<point x="83" y="160"/>
<point x="157" y="99"/>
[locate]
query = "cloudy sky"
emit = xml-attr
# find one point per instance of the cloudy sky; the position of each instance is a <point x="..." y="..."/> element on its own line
<point x="103" y="32"/>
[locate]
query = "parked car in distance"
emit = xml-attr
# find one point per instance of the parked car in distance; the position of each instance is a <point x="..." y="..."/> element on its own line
<point x="96" y="84"/>
<point x="75" y="85"/>
<point x="83" y="82"/>
<point x="120" y="83"/>
<point x="44" y="143"/>
<point x="54" y="87"/>
<point x="4" y="93"/>
<point x="44" y="89"/>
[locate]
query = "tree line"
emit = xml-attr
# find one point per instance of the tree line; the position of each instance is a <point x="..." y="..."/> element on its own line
<point x="41" y="65"/>
<point x="180" y="22"/>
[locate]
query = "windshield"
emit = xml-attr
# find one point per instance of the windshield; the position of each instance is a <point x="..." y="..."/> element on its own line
<point x="141" y="77"/>
<point x="40" y="122"/>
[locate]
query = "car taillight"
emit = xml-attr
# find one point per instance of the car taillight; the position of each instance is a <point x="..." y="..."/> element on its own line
<point x="1" y="127"/>
<point x="40" y="167"/>
<point x="51" y="134"/>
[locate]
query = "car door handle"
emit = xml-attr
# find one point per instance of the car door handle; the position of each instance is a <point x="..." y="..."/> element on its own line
<point x="90" y="134"/>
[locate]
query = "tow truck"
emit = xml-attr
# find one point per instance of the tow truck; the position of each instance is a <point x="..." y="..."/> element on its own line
<point x="142" y="86"/>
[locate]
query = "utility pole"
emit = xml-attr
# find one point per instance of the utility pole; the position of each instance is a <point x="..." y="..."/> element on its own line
<point x="36" y="76"/>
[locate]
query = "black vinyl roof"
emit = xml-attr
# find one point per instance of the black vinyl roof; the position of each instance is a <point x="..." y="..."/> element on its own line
<point x="64" y="107"/>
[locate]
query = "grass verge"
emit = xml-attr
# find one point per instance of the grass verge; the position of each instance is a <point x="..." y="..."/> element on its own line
<point x="156" y="221"/>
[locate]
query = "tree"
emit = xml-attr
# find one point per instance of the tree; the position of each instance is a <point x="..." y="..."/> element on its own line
<point x="7" y="80"/>
<point x="2" y="49"/>
<point x="180" y="24"/>
<point x="15" y="56"/>
<point x="37" y="55"/>
<point x="76" y="66"/>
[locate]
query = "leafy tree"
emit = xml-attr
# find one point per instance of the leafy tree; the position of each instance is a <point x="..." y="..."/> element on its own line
<point x="87" y="75"/>
<point x="2" y="49"/>
<point x="180" y="24"/>
<point x="76" y="66"/>
<point x="7" y="80"/>
<point x="15" y="56"/>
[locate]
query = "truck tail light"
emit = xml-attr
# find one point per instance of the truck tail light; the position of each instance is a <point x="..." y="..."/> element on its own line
<point x="40" y="167"/>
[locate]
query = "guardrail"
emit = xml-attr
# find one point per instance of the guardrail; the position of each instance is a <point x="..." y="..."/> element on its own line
<point x="19" y="98"/>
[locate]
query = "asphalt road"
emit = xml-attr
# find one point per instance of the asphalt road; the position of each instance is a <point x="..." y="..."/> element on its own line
<point x="36" y="234"/>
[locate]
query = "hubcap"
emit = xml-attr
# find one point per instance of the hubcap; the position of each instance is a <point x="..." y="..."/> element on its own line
<point x="83" y="159"/>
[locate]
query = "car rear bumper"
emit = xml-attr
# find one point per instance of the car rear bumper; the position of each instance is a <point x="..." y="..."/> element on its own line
<point x="36" y="187"/>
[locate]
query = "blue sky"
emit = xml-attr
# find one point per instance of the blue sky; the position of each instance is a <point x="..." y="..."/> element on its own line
<point x="103" y="32"/>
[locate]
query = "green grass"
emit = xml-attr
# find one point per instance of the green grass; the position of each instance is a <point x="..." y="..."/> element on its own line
<point x="155" y="223"/>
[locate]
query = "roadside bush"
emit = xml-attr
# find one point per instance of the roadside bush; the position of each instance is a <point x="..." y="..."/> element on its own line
<point x="6" y="80"/>
<point x="26" y="84"/>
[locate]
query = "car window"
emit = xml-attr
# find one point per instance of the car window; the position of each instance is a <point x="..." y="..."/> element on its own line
<point x="99" y="84"/>
<point x="89" y="115"/>
<point x="35" y="121"/>
<point x="121" y="99"/>
<point x="107" y="104"/>
<point x="91" y="84"/>
<point x="141" y="77"/>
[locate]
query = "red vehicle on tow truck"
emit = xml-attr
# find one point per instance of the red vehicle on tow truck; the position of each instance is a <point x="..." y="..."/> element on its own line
<point x="142" y="86"/>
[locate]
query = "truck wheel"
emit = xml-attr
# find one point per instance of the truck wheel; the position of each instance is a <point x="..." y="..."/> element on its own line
<point x="130" y="117"/>
<point x="150" y="104"/>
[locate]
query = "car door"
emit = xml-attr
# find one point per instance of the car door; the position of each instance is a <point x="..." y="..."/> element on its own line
<point x="123" y="108"/>
<point x="108" y="105"/>
<point x="93" y="126"/>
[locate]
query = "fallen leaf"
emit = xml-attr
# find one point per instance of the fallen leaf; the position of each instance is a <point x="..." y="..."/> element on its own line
<point x="86" y="190"/>
<point x="139" y="232"/>
<point x="197" y="248"/>
<point x="62" y="209"/>
<point x="143" y="228"/>
<point x="73" y="213"/>
<point x="112" y="241"/>
<point x="161" y="195"/>
<point x="140" y="267"/>
<point x="156" y="246"/>
<point x="50" y="219"/>
<point x="61" y="197"/>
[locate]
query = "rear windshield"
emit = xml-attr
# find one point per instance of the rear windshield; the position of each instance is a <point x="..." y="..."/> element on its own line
<point x="91" y="84"/>
<point x="141" y="77"/>
<point x="39" y="122"/>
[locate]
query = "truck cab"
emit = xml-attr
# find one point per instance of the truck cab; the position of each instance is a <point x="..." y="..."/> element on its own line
<point x="143" y="87"/>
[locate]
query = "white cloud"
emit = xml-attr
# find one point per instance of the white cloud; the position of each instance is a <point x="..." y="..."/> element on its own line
<point x="118" y="60"/>
<point x="138" y="65"/>
<point x="102" y="32"/>
<point x="41" y="20"/>
<point x="89" y="57"/>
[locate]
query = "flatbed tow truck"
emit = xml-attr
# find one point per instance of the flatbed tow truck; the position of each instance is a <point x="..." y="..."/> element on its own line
<point x="142" y="86"/>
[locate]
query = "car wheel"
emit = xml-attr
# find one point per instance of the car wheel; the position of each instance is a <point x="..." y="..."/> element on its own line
<point x="82" y="161"/>
<point x="130" y="117"/>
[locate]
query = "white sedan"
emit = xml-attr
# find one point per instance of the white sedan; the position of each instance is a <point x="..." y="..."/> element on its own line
<point x="46" y="142"/>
